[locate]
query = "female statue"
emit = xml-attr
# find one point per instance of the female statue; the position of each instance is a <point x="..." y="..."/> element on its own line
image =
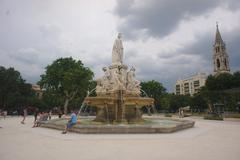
<point x="117" y="51"/>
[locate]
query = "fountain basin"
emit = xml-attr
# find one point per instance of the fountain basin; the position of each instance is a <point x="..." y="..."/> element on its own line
<point x="119" y="106"/>
<point x="87" y="126"/>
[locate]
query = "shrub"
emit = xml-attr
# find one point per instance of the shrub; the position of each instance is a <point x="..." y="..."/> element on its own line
<point x="168" y="115"/>
<point x="213" y="117"/>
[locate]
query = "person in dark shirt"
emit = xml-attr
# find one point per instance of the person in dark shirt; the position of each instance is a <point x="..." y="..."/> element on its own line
<point x="36" y="112"/>
<point x="60" y="113"/>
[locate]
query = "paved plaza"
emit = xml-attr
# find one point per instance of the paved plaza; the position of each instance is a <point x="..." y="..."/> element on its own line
<point x="208" y="140"/>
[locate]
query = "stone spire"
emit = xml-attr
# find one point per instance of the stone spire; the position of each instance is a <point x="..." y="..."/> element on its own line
<point x="218" y="38"/>
<point x="220" y="57"/>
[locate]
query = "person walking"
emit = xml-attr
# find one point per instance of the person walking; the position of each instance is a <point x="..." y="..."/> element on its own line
<point x="36" y="112"/>
<point x="24" y="115"/>
<point x="50" y="115"/>
<point x="4" y="114"/>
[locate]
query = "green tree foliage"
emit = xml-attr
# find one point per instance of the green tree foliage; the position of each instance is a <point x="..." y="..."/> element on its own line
<point x="220" y="82"/>
<point x="14" y="92"/>
<point x="198" y="103"/>
<point x="154" y="90"/>
<point x="50" y="100"/>
<point x="66" y="78"/>
<point x="171" y="102"/>
<point x="236" y="79"/>
<point x="166" y="102"/>
<point x="223" y="89"/>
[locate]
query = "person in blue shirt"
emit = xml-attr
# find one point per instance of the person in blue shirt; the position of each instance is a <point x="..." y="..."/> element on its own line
<point x="71" y="122"/>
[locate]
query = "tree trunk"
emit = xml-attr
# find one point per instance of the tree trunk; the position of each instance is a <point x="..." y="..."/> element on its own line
<point x="66" y="106"/>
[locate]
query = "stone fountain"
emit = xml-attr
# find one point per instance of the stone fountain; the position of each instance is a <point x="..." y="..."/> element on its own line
<point x="118" y="91"/>
<point x="118" y="102"/>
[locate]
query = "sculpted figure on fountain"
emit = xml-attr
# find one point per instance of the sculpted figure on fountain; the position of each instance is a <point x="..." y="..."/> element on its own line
<point x="105" y="83"/>
<point x="119" y="80"/>
<point x="107" y="79"/>
<point x="132" y="83"/>
<point x="99" y="87"/>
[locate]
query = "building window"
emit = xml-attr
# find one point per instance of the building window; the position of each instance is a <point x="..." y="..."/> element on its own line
<point x="218" y="63"/>
<point x="196" y="83"/>
<point x="225" y="62"/>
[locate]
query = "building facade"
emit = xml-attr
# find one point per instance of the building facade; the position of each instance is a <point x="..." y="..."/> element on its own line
<point x="190" y="85"/>
<point x="220" y="56"/>
<point x="38" y="91"/>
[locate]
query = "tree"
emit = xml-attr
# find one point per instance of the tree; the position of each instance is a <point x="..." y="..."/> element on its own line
<point x="223" y="89"/>
<point x="236" y="79"/>
<point x="165" y="101"/>
<point x="66" y="78"/>
<point x="14" y="92"/>
<point x="51" y="100"/>
<point x="198" y="103"/>
<point x="220" y="82"/>
<point x="178" y="101"/>
<point x="171" y="102"/>
<point x="154" y="90"/>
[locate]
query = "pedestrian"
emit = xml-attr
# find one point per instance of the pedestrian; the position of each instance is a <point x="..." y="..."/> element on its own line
<point x="38" y="120"/>
<point x="36" y="112"/>
<point x="49" y="114"/>
<point x="42" y="117"/>
<point x="60" y="113"/>
<point x="4" y="114"/>
<point x="24" y="114"/>
<point x="71" y="122"/>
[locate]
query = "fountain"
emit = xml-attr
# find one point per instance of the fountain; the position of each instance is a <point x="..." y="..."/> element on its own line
<point x="118" y="97"/>
<point x="119" y="102"/>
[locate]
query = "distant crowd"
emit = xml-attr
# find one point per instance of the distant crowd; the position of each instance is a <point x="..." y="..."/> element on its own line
<point x="41" y="117"/>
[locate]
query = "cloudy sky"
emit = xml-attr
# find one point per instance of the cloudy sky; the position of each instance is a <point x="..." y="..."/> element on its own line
<point x="164" y="39"/>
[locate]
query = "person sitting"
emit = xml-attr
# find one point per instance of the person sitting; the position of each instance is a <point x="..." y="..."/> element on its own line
<point x="43" y="117"/>
<point x="71" y="122"/>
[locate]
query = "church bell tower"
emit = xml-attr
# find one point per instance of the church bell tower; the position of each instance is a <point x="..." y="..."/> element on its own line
<point x="220" y="57"/>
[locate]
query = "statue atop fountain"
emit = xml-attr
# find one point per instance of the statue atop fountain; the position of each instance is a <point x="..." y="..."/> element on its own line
<point x="117" y="51"/>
